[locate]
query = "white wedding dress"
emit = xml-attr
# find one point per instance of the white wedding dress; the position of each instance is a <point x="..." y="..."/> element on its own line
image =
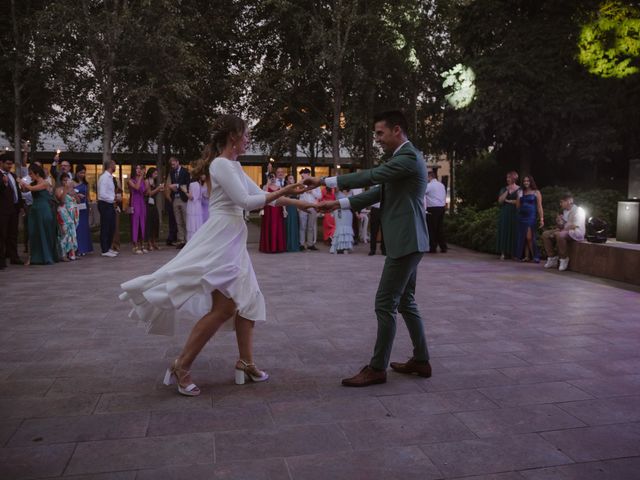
<point x="216" y="258"/>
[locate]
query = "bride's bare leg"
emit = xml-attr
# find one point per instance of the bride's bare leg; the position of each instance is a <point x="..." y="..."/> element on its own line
<point x="223" y="309"/>
<point x="244" y="336"/>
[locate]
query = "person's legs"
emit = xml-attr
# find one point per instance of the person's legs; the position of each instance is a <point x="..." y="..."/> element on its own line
<point x="440" y="229"/>
<point x="394" y="280"/>
<point x="562" y="237"/>
<point x="411" y="315"/>
<point x="223" y="309"/>
<point x="303" y="218"/>
<point x="431" y="229"/>
<point x="179" y="211"/>
<point x="12" y="237"/>
<point x="375" y="227"/>
<point x="4" y="229"/>
<point x="106" y="232"/>
<point x="548" y="239"/>
<point x="173" y="228"/>
<point x="528" y="247"/>
<point x="312" y="226"/>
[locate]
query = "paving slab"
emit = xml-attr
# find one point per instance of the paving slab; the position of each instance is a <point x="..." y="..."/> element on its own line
<point x="538" y="384"/>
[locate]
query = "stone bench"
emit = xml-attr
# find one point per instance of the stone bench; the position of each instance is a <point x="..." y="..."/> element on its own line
<point x="613" y="260"/>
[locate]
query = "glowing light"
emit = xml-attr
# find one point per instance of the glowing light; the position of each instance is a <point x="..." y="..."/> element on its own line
<point x="460" y="83"/>
<point x="338" y="167"/>
<point x="271" y="159"/>
<point x="609" y="46"/>
<point x="58" y="151"/>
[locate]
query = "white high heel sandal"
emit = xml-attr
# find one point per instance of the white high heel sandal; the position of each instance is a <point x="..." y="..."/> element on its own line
<point x="175" y="375"/>
<point x="248" y="371"/>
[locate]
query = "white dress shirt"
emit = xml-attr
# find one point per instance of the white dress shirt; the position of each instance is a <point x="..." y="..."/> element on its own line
<point x="436" y="194"/>
<point x="106" y="188"/>
<point x="311" y="196"/>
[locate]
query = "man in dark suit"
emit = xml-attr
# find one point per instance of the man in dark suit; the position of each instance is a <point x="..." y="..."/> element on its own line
<point x="402" y="183"/>
<point x="179" y="187"/>
<point x="10" y="206"/>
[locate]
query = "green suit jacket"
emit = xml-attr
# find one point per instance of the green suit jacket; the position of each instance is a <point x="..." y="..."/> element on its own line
<point x="402" y="184"/>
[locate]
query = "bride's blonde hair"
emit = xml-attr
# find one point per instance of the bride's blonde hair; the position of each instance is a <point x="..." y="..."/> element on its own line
<point x="221" y="129"/>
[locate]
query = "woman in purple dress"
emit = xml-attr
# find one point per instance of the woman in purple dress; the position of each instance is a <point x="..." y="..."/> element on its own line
<point x="205" y="202"/>
<point x="138" y="210"/>
<point x="83" y="232"/>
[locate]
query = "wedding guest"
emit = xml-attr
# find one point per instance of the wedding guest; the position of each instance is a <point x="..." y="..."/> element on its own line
<point x="43" y="247"/>
<point x="119" y="208"/>
<point x="273" y="238"/>
<point x="212" y="277"/>
<point x="328" y="222"/>
<point x="27" y="198"/>
<point x="343" y="236"/>
<point x="152" y="192"/>
<point x="308" y="220"/>
<point x="83" y="231"/>
<point x="179" y="188"/>
<point x="67" y="218"/>
<point x="107" y="208"/>
<point x="363" y="225"/>
<point x="137" y="188"/>
<point x="529" y="205"/>
<point x="292" y="225"/>
<point x="194" y="206"/>
<point x="172" y="234"/>
<point x="65" y="167"/>
<point x="508" y="219"/>
<point x="570" y="227"/>
<point x="11" y="206"/>
<point x="435" y="202"/>
<point x="374" y="222"/>
<point x="205" y="202"/>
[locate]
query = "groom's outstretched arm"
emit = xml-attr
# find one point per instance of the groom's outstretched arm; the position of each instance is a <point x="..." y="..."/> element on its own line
<point x="365" y="199"/>
<point x="398" y="167"/>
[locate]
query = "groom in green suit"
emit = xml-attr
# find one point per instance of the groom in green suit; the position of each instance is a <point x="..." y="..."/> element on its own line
<point x="399" y="184"/>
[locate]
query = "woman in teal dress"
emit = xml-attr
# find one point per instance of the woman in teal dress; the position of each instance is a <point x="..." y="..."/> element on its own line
<point x="508" y="219"/>
<point x="67" y="218"/>
<point x="292" y="225"/>
<point x="42" y="223"/>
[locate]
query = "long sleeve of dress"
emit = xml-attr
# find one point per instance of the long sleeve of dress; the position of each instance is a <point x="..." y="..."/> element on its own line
<point x="236" y="186"/>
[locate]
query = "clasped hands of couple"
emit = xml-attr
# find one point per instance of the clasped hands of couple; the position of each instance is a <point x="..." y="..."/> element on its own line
<point x="307" y="184"/>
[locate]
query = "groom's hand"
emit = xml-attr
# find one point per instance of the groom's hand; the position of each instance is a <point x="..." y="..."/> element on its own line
<point x="312" y="182"/>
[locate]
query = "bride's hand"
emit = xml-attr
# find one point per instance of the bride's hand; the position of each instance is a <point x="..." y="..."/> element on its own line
<point x="295" y="189"/>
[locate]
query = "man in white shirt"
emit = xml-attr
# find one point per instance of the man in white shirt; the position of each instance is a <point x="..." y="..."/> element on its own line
<point x="435" y="200"/>
<point x="570" y="227"/>
<point x="309" y="219"/>
<point x="106" y="207"/>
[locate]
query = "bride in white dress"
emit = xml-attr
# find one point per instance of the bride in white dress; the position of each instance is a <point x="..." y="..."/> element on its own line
<point x="212" y="278"/>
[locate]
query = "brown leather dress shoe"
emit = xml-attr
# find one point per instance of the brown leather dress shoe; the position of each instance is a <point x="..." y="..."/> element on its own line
<point x="367" y="376"/>
<point x="422" y="369"/>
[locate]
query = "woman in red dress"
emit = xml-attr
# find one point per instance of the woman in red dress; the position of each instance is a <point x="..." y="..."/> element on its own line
<point x="328" y="222"/>
<point x="273" y="238"/>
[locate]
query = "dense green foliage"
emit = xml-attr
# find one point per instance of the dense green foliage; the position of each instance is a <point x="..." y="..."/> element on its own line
<point x="310" y="74"/>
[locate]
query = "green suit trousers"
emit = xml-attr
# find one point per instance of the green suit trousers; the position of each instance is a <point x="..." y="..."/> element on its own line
<point x="396" y="294"/>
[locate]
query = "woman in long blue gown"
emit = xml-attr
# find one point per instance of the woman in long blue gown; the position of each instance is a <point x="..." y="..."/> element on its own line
<point x="83" y="232"/>
<point x="292" y="225"/>
<point x="43" y="240"/>
<point x="529" y="206"/>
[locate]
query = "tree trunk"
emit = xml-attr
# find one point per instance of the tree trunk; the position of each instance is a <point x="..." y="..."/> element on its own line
<point x="17" y="90"/>
<point x="337" y="109"/>
<point x="107" y="121"/>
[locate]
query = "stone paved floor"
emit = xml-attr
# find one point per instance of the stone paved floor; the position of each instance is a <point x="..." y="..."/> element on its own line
<point x="536" y="376"/>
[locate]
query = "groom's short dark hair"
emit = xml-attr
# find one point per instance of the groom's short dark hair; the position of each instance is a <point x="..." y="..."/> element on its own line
<point x="392" y="118"/>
